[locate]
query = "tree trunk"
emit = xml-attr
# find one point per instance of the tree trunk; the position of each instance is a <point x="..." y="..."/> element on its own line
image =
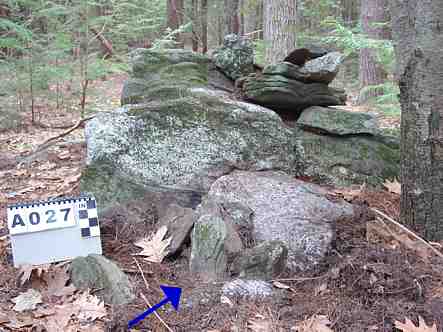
<point x="195" y="24"/>
<point x="204" y="25"/>
<point x="232" y="20"/>
<point x="418" y="44"/>
<point x="371" y="72"/>
<point x="175" y="16"/>
<point x="279" y="29"/>
<point x="250" y="19"/>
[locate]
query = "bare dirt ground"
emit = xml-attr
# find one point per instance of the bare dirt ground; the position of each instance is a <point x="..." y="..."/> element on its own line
<point x="368" y="282"/>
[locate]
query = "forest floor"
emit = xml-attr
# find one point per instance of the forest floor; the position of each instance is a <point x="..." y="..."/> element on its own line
<point x="372" y="280"/>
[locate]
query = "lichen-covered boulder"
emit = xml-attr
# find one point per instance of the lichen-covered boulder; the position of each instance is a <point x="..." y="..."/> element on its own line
<point x="344" y="148"/>
<point x="182" y="136"/>
<point x="264" y="261"/>
<point x="248" y="289"/>
<point x="236" y="57"/>
<point x="287" y="210"/>
<point x="323" y="69"/>
<point x="99" y="273"/>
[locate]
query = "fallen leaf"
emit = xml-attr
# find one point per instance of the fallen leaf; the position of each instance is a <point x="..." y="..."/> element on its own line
<point x="393" y="186"/>
<point x="262" y="325"/>
<point x="27" y="300"/>
<point x="56" y="282"/>
<point x="25" y="271"/>
<point x="317" y="323"/>
<point x="280" y="285"/>
<point x="409" y="326"/>
<point x="61" y="317"/>
<point x="155" y="248"/>
<point x="226" y="300"/>
<point x="349" y="193"/>
<point x="90" y="308"/>
<point x="4" y="318"/>
<point x="64" y="155"/>
<point x="320" y="289"/>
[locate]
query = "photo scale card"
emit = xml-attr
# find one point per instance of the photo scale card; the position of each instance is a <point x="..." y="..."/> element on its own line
<point x="54" y="230"/>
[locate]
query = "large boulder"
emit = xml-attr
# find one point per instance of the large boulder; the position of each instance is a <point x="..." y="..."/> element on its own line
<point x="182" y="136"/>
<point x="236" y="57"/>
<point x="344" y="148"/>
<point x="287" y="210"/>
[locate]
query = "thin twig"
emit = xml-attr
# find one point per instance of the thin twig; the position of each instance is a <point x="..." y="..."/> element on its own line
<point x="46" y="144"/>
<point x="146" y="300"/>
<point x="299" y="279"/>
<point x="411" y="233"/>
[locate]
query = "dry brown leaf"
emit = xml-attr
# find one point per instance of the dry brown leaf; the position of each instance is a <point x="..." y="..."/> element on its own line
<point x="4" y="318"/>
<point x="349" y="193"/>
<point x="64" y="155"/>
<point x="27" y="300"/>
<point x="280" y="285"/>
<point x="25" y="271"/>
<point x="89" y="307"/>
<point x="317" y="323"/>
<point x="155" y="248"/>
<point x="260" y="325"/>
<point x="61" y="318"/>
<point x="393" y="186"/>
<point x="56" y="282"/>
<point x="409" y="326"/>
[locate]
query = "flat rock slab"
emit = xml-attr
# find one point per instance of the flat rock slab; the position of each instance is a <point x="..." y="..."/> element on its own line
<point x="98" y="272"/>
<point x="285" y="209"/>
<point x="338" y="122"/>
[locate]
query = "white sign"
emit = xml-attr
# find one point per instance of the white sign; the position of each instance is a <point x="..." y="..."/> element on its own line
<point x="54" y="230"/>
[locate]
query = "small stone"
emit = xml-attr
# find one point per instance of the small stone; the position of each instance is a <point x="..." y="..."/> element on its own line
<point x="208" y="258"/>
<point x="98" y="272"/>
<point x="265" y="261"/>
<point x="251" y="289"/>
<point x="179" y="222"/>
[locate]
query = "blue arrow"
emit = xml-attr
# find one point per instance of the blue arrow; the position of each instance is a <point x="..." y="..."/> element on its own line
<point x="172" y="295"/>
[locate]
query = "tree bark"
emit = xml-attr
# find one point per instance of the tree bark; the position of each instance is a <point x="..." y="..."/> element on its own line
<point x="175" y="16"/>
<point x="232" y="21"/>
<point x="204" y="25"/>
<point x="195" y="24"/>
<point x="371" y="72"/>
<point x="279" y="29"/>
<point x="418" y="43"/>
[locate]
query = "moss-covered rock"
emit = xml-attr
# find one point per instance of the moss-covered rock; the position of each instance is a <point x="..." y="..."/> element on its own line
<point x="99" y="273"/>
<point x="236" y="57"/>
<point x="175" y="134"/>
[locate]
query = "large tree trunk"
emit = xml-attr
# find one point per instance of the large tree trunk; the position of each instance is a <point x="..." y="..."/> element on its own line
<point x="279" y="29"/>
<point x="232" y="20"/>
<point x="175" y="16"/>
<point x="195" y="25"/>
<point x="204" y="25"/>
<point x="250" y="22"/>
<point x="419" y="41"/>
<point x="371" y="73"/>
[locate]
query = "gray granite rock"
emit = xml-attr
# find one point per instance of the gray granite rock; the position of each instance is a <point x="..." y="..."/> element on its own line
<point x="285" y="209"/>
<point x="208" y="258"/>
<point x="236" y="57"/>
<point x="251" y="289"/>
<point x="264" y="261"/>
<point x="99" y="273"/>
<point x="179" y="136"/>
<point x="179" y="221"/>
<point x="338" y="122"/>
<point x="323" y="69"/>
